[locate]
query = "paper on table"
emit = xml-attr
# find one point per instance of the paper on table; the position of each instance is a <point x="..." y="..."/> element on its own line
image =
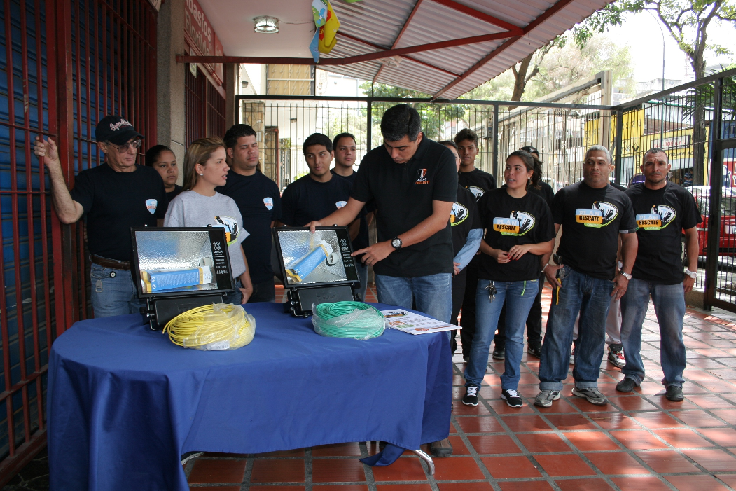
<point x="412" y="323"/>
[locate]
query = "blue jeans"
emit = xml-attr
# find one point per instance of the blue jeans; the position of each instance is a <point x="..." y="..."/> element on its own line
<point x="591" y="297"/>
<point x="112" y="292"/>
<point x="432" y="294"/>
<point x="669" y="305"/>
<point x="519" y="297"/>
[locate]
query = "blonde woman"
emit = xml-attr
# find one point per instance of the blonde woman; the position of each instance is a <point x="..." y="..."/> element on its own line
<point x="199" y="205"/>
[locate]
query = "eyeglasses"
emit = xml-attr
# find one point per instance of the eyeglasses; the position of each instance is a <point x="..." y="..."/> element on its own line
<point x="127" y="146"/>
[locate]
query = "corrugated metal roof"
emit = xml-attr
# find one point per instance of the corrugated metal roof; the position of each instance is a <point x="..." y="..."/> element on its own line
<point x="513" y="29"/>
<point x="379" y="23"/>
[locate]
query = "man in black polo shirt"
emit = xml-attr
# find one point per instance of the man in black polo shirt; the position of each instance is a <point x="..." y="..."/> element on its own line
<point x="319" y="193"/>
<point x="478" y="182"/>
<point x="593" y="215"/>
<point x="343" y="145"/>
<point x="413" y="181"/>
<point x="113" y="197"/>
<point x="259" y="202"/>
<point x="663" y="209"/>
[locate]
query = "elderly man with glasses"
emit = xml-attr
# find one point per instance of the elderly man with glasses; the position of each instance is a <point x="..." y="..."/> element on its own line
<point x="113" y="197"/>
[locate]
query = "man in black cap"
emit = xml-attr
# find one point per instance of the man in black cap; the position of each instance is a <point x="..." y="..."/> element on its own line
<point x="113" y="197"/>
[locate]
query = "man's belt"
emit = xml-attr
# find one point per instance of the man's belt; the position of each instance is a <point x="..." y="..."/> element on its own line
<point x="110" y="263"/>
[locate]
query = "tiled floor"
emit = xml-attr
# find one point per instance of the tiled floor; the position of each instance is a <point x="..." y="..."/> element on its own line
<point x="638" y="442"/>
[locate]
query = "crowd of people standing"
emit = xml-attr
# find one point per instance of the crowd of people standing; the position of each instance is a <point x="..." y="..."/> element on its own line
<point x="450" y="243"/>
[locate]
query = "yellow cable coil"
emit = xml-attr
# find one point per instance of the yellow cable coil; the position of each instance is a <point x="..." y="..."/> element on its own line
<point x="221" y="326"/>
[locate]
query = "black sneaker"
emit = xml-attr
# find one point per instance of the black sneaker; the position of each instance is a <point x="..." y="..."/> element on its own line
<point x="512" y="397"/>
<point x="535" y="351"/>
<point x="626" y="385"/>
<point x="499" y="354"/>
<point x="471" y="396"/>
<point x="674" y="393"/>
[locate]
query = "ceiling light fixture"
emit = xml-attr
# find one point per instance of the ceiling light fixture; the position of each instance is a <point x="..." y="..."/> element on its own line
<point x="266" y="24"/>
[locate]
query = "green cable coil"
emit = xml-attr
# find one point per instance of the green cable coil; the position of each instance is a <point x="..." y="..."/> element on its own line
<point x="355" y="320"/>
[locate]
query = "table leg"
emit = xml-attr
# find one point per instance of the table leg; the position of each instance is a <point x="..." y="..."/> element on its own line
<point x="424" y="456"/>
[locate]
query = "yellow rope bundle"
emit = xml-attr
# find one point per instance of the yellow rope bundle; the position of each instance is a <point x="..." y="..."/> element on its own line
<point x="212" y="327"/>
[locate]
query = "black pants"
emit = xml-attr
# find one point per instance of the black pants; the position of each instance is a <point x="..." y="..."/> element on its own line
<point x="533" y="323"/>
<point x="467" y="320"/>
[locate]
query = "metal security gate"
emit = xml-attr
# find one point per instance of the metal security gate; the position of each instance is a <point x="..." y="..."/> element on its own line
<point x="205" y="107"/>
<point x="63" y="66"/>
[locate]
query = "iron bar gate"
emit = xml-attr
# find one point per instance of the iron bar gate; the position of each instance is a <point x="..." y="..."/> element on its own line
<point x="63" y="66"/>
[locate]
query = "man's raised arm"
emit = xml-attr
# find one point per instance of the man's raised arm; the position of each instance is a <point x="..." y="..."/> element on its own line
<point x="68" y="210"/>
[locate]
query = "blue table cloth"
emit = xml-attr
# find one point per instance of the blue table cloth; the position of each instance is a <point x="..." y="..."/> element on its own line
<point x="125" y="403"/>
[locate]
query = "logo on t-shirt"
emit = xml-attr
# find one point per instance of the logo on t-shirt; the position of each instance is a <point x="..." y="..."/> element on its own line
<point x="459" y="214"/>
<point x="422" y="177"/>
<point x="151" y="205"/>
<point x="340" y="204"/>
<point x="268" y="202"/>
<point x="659" y="218"/>
<point x="231" y="228"/>
<point x="601" y="214"/>
<point x="519" y="223"/>
<point x="477" y="192"/>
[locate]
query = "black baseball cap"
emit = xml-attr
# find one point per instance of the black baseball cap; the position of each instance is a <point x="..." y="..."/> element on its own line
<point x="530" y="149"/>
<point x="115" y="129"/>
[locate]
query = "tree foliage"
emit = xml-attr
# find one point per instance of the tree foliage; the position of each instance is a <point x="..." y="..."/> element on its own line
<point x="686" y="20"/>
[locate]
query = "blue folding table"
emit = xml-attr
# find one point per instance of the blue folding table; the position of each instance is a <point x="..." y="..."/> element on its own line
<point x="125" y="403"/>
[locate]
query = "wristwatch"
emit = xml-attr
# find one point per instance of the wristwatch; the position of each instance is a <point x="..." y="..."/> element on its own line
<point x="691" y="274"/>
<point x="396" y="243"/>
<point x="625" y="274"/>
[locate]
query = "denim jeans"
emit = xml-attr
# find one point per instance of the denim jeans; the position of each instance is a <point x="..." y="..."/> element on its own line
<point x="669" y="305"/>
<point x="432" y="294"/>
<point x="519" y="297"/>
<point x="591" y="297"/>
<point x="112" y="292"/>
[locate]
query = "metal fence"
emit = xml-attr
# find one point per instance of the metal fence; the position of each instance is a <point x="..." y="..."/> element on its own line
<point x="694" y="123"/>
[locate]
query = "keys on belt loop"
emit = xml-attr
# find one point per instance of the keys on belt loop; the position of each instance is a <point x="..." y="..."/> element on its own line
<point x="491" y="291"/>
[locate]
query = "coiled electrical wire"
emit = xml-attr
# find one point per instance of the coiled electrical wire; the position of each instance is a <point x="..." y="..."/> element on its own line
<point x="347" y="319"/>
<point x="208" y="324"/>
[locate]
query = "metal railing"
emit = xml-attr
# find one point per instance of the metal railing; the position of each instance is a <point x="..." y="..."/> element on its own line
<point x="687" y="121"/>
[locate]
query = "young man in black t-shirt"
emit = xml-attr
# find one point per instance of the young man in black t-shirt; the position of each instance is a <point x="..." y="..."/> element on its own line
<point x="593" y="215"/>
<point x="319" y="193"/>
<point x="259" y="202"/>
<point x="467" y="233"/>
<point x="343" y="146"/>
<point x="478" y="182"/>
<point x="413" y="182"/>
<point x="663" y="210"/>
<point x="113" y="197"/>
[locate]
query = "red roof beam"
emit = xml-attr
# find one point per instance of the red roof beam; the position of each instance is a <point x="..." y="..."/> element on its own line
<point x="347" y="60"/>
<point x="545" y="15"/>
<point x="477" y="14"/>
<point x="401" y="33"/>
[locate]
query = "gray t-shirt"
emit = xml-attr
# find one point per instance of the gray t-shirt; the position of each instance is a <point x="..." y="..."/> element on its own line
<point x="191" y="209"/>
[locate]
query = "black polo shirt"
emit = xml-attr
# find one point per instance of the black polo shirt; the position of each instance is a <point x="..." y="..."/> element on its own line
<point x="403" y="194"/>
<point x="463" y="219"/>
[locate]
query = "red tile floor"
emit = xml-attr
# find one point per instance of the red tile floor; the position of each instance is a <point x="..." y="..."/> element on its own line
<point x="638" y="442"/>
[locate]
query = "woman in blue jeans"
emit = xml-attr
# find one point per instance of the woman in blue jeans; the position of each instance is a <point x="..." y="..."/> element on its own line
<point x="518" y="231"/>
